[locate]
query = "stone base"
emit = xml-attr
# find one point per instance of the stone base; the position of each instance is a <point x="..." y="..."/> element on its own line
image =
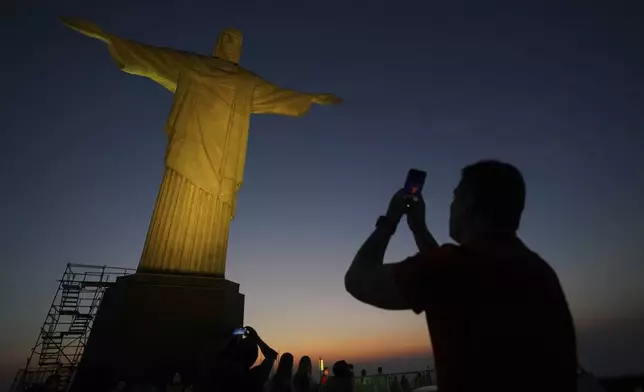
<point x="150" y="326"/>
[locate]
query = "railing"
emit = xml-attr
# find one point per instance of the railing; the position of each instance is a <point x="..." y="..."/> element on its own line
<point x="396" y="382"/>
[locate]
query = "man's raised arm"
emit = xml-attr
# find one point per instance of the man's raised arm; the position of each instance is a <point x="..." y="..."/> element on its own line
<point x="162" y="65"/>
<point x="368" y="279"/>
<point x="393" y="286"/>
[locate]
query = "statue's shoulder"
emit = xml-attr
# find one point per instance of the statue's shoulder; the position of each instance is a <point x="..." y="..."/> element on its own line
<point x="252" y="75"/>
<point x="217" y="66"/>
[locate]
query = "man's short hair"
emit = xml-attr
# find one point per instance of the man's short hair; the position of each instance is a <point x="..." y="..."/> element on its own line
<point x="342" y="369"/>
<point x="497" y="191"/>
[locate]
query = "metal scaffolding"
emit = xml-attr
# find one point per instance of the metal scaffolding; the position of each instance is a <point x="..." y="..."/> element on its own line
<point x="63" y="335"/>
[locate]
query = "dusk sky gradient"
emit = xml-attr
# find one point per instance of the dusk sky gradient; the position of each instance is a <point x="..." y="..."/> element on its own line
<point x="557" y="90"/>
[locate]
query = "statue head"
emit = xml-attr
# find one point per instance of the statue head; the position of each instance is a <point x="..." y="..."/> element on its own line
<point x="229" y="45"/>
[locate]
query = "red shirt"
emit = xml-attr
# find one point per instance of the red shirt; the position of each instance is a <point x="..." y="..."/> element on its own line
<point x="497" y="316"/>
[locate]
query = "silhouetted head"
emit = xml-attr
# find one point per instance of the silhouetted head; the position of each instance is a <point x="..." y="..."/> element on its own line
<point x="379" y="370"/>
<point x="240" y="355"/>
<point x="342" y="369"/>
<point x="489" y="199"/>
<point x="305" y="366"/>
<point x="284" y="372"/>
<point x="229" y="46"/>
<point x="325" y="372"/>
<point x="363" y="373"/>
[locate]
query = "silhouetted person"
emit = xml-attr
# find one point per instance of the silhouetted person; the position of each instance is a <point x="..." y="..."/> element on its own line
<point x="418" y="382"/>
<point x="231" y="370"/>
<point x="380" y="381"/>
<point x="494" y="308"/>
<point x="281" y="381"/>
<point x="302" y="381"/>
<point x="404" y="384"/>
<point x="325" y="376"/>
<point x="342" y="379"/>
<point x="394" y="385"/>
<point x="363" y="384"/>
<point x="428" y="376"/>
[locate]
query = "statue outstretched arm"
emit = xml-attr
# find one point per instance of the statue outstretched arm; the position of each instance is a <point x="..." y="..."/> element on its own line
<point x="163" y="65"/>
<point x="87" y="28"/>
<point x="271" y="99"/>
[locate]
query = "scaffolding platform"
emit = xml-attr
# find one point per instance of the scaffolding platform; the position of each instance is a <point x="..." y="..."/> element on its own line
<point x="63" y="335"/>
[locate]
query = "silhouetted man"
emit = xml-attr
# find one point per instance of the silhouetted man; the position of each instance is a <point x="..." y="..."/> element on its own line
<point x="404" y="384"/>
<point x="380" y="381"/>
<point x="325" y="376"/>
<point x="342" y="379"/>
<point x="363" y="384"/>
<point x="231" y="368"/>
<point x="495" y="310"/>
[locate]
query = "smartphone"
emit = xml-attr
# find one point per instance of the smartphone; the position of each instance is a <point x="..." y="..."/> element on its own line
<point x="240" y="331"/>
<point x="415" y="182"/>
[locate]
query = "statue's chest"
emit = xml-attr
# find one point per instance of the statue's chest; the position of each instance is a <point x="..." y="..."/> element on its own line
<point x="220" y="87"/>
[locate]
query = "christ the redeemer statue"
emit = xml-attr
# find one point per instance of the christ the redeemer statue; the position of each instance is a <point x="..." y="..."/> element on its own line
<point x="208" y="134"/>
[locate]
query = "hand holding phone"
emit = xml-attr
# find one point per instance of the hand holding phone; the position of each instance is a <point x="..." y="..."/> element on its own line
<point x="414" y="202"/>
<point x="240" y="332"/>
<point x="414" y="183"/>
<point x="251" y="333"/>
<point x="407" y="199"/>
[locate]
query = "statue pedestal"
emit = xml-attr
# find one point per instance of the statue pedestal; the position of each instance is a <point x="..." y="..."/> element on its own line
<point x="150" y="326"/>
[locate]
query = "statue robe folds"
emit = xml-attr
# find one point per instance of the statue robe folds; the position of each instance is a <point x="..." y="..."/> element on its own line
<point x="208" y="135"/>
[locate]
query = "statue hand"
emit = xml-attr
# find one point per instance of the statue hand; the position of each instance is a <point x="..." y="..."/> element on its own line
<point x="87" y="28"/>
<point x="326" y="99"/>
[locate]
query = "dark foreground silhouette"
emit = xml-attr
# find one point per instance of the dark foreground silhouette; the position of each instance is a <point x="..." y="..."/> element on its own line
<point x="495" y="309"/>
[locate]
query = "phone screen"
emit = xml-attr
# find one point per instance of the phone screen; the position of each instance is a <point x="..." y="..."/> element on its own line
<point x="239" y="331"/>
<point x="415" y="182"/>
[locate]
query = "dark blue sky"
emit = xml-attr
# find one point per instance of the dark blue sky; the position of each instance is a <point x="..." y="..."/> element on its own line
<point x="556" y="89"/>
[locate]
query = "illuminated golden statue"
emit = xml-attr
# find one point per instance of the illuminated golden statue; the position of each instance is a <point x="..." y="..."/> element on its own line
<point x="208" y="134"/>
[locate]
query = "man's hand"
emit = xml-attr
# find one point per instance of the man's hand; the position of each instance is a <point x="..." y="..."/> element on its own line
<point x="87" y="28"/>
<point x="326" y="99"/>
<point x="268" y="352"/>
<point x="397" y="206"/>
<point x="252" y="334"/>
<point x="418" y="226"/>
<point x="370" y="280"/>
<point x="416" y="214"/>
